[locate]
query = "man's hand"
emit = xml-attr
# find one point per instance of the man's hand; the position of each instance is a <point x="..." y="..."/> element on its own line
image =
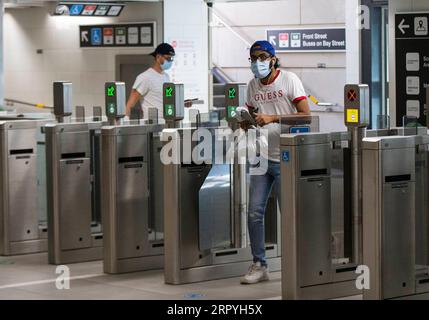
<point x="245" y="125"/>
<point x="264" y="119"/>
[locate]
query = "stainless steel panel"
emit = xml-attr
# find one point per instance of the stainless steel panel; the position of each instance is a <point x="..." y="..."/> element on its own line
<point x="132" y="208"/>
<point x="22" y="184"/>
<point x="41" y="183"/>
<point x="75" y="211"/>
<point x="338" y="205"/>
<point x="74" y="142"/>
<point x="132" y="146"/>
<point x="398" y="240"/>
<point x="422" y="209"/>
<point x="314" y="230"/>
<point x="22" y="139"/>
<point x="191" y="180"/>
<point x="391" y="165"/>
<point x="314" y="157"/>
<point x="156" y="212"/>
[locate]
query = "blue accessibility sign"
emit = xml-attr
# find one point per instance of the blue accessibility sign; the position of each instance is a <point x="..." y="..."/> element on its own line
<point x="285" y="156"/>
<point x="76" y="9"/>
<point x="96" y="36"/>
<point x="299" y="129"/>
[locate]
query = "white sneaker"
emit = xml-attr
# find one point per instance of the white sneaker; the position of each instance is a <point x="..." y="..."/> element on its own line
<point x="256" y="273"/>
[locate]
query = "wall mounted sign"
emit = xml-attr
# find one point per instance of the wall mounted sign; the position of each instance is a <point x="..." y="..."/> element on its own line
<point x="88" y="9"/>
<point x="308" y="40"/>
<point x="117" y="35"/>
<point x="412" y="65"/>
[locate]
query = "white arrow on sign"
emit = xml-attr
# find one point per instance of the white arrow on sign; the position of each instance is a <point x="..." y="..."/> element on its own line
<point x="403" y="26"/>
<point x="272" y="40"/>
<point x="84" y="36"/>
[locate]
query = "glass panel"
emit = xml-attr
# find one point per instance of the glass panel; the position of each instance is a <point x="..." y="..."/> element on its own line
<point x="215" y="209"/>
<point x="383" y="122"/>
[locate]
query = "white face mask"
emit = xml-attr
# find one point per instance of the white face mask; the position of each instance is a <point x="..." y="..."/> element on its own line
<point x="261" y="69"/>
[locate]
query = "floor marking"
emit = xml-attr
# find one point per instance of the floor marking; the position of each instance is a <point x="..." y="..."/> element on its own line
<point x="31" y="283"/>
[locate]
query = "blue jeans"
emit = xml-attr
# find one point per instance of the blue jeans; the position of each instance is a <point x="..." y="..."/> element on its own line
<point x="260" y="189"/>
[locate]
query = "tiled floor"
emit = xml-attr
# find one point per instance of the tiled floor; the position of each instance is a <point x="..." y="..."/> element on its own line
<point x="30" y="277"/>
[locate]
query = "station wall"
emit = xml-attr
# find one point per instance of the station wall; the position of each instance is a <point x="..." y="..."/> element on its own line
<point x="28" y="75"/>
<point x="251" y="20"/>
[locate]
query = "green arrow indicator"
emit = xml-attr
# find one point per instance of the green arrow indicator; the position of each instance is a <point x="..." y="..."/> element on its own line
<point x="169" y="92"/>
<point x="231" y="93"/>
<point x="111" y="91"/>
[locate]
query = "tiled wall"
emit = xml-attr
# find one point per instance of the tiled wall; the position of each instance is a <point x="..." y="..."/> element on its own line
<point x="29" y="75"/>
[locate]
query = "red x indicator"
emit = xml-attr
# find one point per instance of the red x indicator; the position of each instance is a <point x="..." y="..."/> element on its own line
<point x="352" y="95"/>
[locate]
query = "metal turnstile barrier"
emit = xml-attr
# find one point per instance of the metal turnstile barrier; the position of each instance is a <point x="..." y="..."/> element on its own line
<point x="395" y="217"/>
<point x="317" y="237"/>
<point x="20" y="230"/>
<point x="132" y="207"/>
<point x="74" y="231"/>
<point x="203" y="232"/>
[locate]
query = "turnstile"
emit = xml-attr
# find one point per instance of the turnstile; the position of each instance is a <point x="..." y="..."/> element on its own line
<point x="317" y="245"/>
<point x="132" y="202"/>
<point x="74" y="227"/>
<point x="20" y="231"/>
<point x="203" y="235"/>
<point x="395" y="217"/>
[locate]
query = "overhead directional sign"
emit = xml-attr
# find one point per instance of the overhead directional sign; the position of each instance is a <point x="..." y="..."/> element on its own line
<point x="77" y="8"/>
<point x="412" y="65"/>
<point x="84" y="36"/>
<point x="309" y="40"/>
<point x="118" y="35"/>
<point x="402" y="26"/>
<point x="96" y="36"/>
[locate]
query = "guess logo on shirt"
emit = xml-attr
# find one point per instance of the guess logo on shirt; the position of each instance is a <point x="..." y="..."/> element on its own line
<point x="268" y="96"/>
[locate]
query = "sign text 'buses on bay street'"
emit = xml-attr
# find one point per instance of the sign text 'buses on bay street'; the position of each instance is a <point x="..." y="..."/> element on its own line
<point x="308" y="39"/>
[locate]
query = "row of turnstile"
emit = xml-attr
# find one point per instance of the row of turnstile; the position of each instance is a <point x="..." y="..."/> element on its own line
<point x="107" y="193"/>
<point x="112" y="196"/>
<point x="355" y="210"/>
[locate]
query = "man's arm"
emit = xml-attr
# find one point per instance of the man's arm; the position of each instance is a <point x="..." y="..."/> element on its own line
<point x="302" y="108"/>
<point x="135" y="96"/>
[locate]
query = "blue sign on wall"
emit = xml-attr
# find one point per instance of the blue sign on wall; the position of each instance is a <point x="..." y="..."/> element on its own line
<point x="96" y="36"/>
<point x="76" y="9"/>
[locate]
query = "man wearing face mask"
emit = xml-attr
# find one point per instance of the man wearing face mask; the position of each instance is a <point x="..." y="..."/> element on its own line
<point x="273" y="94"/>
<point x="148" y="85"/>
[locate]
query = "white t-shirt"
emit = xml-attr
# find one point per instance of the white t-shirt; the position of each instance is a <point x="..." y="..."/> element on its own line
<point x="149" y="85"/>
<point x="277" y="98"/>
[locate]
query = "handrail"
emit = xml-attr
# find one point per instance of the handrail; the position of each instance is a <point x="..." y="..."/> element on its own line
<point x="222" y="21"/>
<point x="219" y="71"/>
<point x="36" y="105"/>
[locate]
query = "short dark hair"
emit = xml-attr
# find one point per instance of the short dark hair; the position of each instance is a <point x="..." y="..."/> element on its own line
<point x="163" y="48"/>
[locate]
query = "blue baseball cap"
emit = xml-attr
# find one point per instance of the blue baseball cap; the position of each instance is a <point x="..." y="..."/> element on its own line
<point x="263" y="45"/>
